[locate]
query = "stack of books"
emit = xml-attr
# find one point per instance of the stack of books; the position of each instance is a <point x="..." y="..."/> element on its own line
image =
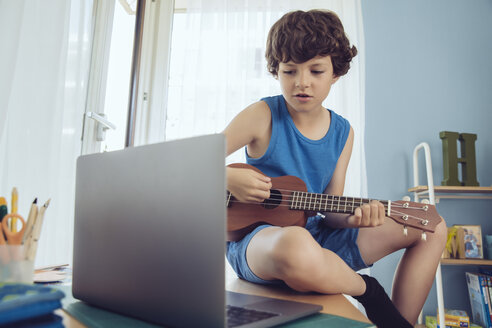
<point x="480" y="292"/>
<point x="24" y="305"/>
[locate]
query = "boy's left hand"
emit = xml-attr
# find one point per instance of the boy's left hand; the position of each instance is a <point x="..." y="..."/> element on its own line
<point x="367" y="215"/>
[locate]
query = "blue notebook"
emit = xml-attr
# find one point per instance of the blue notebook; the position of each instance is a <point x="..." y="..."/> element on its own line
<point x="29" y="304"/>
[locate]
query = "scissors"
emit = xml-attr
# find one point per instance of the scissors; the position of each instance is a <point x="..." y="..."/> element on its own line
<point x="13" y="238"/>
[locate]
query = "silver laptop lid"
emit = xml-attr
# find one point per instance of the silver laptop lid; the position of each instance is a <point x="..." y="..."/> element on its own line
<point x="149" y="237"/>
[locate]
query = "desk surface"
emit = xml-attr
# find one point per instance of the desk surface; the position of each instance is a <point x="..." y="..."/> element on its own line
<point x="332" y="304"/>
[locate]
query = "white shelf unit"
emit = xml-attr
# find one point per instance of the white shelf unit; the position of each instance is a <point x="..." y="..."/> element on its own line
<point x="435" y="194"/>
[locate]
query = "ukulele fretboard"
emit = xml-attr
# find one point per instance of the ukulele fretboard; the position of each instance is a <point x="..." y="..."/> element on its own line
<point x="307" y="201"/>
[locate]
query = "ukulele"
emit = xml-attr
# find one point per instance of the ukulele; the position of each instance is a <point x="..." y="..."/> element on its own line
<point x="290" y="204"/>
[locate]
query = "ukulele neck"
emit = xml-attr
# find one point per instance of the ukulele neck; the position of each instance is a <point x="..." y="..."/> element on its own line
<point x="307" y="201"/>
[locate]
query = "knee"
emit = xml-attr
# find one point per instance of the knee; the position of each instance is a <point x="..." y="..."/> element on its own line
<point x="293" y="251"/>
<point x="441" y="234"/>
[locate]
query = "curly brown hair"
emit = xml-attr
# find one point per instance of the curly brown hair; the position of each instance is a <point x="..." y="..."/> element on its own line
<point x="300" y="36"/>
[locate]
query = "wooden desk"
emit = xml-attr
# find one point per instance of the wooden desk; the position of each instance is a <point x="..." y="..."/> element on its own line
<point x="332" y="304"/>
<point x="68" y="320"/>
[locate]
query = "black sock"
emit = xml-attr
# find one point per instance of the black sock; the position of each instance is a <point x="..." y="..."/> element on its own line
<point x="379" y="307"/>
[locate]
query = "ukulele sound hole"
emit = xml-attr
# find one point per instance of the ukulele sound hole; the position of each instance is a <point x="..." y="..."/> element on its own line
<point x="274" y="200"/>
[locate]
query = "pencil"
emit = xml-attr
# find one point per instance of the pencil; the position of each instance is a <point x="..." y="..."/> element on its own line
<point x="36" y="232"/>
<point x="3" y="208"/>
<point x="33" y="213"/>
<point x="15" y="198"/>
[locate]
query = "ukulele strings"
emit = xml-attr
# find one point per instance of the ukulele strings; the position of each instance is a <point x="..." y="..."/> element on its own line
<point x="342" y="201"/>
<point x="342" y="204"/>
<point x="338" y="201"/>
<point x="288" y="205"/>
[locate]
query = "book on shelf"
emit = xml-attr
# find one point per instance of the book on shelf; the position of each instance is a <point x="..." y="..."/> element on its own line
<point x="486" y="298"/>
<point x="488" y="283"/>
<point x="480" y="298"/>
<point x="452" y="318"/>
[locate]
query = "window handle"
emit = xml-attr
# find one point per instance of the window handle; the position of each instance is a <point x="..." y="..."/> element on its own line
<point x="102" y="124"/>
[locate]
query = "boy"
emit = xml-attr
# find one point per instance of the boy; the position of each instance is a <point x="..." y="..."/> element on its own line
<point x="292" y="134"/>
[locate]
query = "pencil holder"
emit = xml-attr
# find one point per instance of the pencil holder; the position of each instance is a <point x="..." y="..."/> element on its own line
<point x="14" y="266"/>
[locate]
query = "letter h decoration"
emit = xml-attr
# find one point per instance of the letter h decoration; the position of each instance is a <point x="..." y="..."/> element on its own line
<point x="450" y="158"/>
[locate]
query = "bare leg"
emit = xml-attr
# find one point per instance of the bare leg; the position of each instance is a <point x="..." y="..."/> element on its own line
<point x="292" y="255"/>
<point x="416" y="270"/>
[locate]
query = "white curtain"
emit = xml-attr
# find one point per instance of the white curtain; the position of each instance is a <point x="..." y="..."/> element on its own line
<point x="44" y="63"/>
<point x="218" y="68"/>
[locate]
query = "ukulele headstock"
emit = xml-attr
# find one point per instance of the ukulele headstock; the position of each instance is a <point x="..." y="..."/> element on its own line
<point x="416" y="215"/>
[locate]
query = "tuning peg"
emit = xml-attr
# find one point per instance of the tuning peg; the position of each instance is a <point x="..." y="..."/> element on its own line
<point x="405" y="231"/>
<point x="425" y="201"/>
<point x="424" y="236"/>
<point x="406" y="198"/>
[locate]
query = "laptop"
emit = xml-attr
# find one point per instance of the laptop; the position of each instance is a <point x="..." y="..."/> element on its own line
<point x="149" y="238"/>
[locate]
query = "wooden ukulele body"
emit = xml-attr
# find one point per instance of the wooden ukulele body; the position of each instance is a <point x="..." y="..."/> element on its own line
<point x="245" y="217"/>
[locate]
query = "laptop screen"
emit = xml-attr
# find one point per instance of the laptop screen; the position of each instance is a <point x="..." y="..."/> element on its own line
<point x="149" y="237"/>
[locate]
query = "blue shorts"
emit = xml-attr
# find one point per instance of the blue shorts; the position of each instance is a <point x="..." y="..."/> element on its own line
<point x="340" y="241"/>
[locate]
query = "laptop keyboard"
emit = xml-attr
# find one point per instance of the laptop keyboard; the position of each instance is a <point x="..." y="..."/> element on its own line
<point x="238" y="316"/>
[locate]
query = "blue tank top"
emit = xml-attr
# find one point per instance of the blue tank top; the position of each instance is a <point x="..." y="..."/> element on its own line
<point x="291" y="153"/>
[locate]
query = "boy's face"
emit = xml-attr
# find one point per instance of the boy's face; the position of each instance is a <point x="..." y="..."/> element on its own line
<point x="306" y="85"/>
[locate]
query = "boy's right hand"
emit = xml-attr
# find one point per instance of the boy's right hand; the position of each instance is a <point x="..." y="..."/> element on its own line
<point x="247" y="185"/>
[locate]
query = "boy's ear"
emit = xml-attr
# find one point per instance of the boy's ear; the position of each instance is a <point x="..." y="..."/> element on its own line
<point x="335" y="79"/>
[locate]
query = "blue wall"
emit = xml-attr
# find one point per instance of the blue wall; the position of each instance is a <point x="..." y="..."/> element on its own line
<point x="428" y="69"/>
